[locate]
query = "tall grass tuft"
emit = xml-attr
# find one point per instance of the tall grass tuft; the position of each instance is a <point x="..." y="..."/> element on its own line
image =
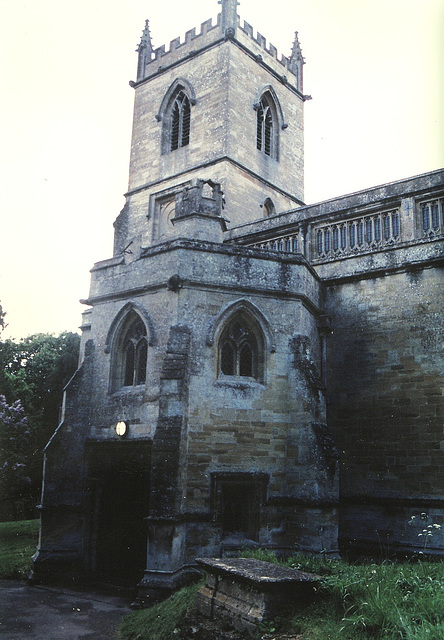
<point x="161" y="621"/>
<point x="385" y="601"/>
<point x="398" y="601"/>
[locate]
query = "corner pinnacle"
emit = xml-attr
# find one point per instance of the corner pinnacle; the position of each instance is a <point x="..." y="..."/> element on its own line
<point x="145" y="51"/>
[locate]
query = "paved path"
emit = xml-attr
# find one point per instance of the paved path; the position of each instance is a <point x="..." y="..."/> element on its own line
<point x="50" y="613"/>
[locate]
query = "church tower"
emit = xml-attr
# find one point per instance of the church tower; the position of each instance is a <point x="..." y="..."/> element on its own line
<point x="195" y="424"/>
<point x="219" y="105"/>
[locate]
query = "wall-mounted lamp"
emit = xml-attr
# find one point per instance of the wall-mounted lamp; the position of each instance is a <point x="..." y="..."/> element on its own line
<point x="121" y="428"/>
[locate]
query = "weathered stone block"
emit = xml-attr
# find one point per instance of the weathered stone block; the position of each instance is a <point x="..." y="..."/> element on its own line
<point x="244" y="593"/>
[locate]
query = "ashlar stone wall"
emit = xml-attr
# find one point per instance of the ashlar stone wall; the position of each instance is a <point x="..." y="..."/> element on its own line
<point x="385" y="375"/>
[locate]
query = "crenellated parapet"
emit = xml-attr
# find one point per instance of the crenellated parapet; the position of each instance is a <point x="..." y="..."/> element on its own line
<point x="292" y="64"/>
<point x="228" y="26"/>
<point x="178" y="50"/>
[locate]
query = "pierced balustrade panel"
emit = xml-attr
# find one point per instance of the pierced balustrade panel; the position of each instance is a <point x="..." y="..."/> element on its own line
<point x="368" y="233"/>
<point x="291" y="243"/>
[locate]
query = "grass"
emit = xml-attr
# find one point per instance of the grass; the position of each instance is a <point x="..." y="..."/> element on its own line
<point x="161" y="621"/>
<point x="18" y="542"/>
<point x="387" y="601"/>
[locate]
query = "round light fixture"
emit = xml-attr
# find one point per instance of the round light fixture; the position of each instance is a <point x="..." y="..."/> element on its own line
<point x="121" y="428"/>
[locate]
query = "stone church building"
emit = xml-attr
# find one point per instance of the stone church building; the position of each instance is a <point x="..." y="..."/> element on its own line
<point x="254" y="371"/>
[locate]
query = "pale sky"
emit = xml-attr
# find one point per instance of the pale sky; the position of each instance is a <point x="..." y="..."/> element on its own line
<point x="373" y="67"/>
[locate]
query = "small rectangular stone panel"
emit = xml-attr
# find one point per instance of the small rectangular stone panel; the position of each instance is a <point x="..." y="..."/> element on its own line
<point x="245" y="592"/>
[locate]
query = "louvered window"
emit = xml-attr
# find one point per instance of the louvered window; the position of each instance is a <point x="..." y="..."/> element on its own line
<point x="180" y="121"/>
<point x="265" y="129"/>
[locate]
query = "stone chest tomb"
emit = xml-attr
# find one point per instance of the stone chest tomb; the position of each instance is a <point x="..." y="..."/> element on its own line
<point x="248" y="592"/>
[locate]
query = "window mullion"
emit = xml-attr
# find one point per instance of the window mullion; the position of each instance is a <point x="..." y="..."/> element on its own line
<point x="237" y="356"/>
<point x="180" y="134"/>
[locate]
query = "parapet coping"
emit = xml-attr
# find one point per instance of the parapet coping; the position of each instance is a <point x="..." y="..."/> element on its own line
<point x="369" y="199"/>
<point x="206" y="27"/>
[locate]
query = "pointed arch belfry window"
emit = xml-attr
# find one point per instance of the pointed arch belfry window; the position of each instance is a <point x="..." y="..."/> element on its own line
<point x="269" y="120"/>
<point x="175" y="114"/>
<point x="264" y="140"/>
<point x="180" y="121"/>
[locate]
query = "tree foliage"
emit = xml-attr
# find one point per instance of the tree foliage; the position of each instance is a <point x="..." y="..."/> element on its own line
<point x="3" y="324"/>
<point x="33" y="374"/>
<point x="15" y="442"/>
